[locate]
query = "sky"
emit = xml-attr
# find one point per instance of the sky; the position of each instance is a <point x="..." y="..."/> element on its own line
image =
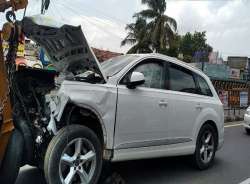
<point x="227" y="22"/>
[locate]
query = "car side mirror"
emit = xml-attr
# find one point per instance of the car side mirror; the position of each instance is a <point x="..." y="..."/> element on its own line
<point x="136" y="79"/>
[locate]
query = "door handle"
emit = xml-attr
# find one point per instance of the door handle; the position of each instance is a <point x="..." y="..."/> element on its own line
<point x="163" y="103"/>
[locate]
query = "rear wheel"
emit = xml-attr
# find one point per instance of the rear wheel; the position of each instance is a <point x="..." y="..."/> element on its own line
<point x="205" y="147"/>
<point x="74" y="156"/>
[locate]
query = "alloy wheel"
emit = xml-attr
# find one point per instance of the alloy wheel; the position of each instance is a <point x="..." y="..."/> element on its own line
<point x="207" y="147"/>
<point x="78" y="162"/>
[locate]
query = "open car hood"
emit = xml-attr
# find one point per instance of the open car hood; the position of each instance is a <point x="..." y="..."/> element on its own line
<point x="65" y="46"/>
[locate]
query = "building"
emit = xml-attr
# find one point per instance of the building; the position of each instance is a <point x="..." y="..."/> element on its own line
<point x="238" y="62"/>
<point x="231" y="84"/>
<point x="103" y="55"/>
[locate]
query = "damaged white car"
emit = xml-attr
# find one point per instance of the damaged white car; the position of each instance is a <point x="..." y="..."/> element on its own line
<point x="130" y="107"/>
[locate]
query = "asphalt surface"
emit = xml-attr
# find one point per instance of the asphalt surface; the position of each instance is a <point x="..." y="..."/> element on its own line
<point x="232" y="166"/>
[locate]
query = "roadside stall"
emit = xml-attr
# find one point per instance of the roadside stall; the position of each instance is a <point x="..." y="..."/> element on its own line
<point x="234" y="95"/>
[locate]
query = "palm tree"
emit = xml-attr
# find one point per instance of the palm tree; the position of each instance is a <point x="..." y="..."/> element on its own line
<point x="162" y="27"/>
<point x="138" y="36"/>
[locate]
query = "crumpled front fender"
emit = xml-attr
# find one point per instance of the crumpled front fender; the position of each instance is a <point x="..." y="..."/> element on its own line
<point x="98" y="98"/>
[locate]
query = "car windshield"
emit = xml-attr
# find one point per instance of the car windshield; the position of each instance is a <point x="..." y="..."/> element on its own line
<point x="114" y="65"/>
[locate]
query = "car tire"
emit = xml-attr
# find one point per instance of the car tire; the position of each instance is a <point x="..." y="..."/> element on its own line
<point x="247" y="131"/>
<point x="28" y="148"/>
<point x="75" y="153"/>
<point x="206" y="146"/>
<point x="13" y="158"/>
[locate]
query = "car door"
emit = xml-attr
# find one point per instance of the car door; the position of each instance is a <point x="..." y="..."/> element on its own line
<point x="142" y="113"/>
<point x="185" y="99"/>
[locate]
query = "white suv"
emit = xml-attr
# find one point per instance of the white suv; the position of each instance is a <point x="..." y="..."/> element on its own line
<point x="150" y="106"/>
<point x="130" y="107"/>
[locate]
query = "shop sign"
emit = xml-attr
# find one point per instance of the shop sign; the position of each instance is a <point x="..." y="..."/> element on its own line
<point x="223" y="95"/>
<point x="20" y="50"/>
<point x="243" y="99"/>
<point x="234" y="98"/>
<point x="234" y="73"/>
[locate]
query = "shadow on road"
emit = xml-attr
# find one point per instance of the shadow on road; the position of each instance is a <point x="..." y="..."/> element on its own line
<point x="174" y="170"/>
<point x="231" y="166"/>
<point x="31" y="176"/>
<point x="141" y="171"/>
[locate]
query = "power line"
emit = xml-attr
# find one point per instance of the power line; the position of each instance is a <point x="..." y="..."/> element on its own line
<point x="93" y="9"/>
<point x="73" y="11"/>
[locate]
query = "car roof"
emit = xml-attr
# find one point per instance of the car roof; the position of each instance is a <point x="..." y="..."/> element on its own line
<point x="170" y="59"/>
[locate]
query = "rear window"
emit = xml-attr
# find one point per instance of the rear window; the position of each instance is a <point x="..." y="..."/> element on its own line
<point x="181" y="79"/>
<point x="204" y="87"/>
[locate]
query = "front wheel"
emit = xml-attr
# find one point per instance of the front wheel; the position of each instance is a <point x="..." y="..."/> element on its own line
<point x="205" y="147"/>
<point x="73" y="156"/>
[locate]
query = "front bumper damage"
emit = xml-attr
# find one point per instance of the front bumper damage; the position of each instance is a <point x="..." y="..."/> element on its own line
<point x="38" y="106"/>
<point x="57" y="104"/>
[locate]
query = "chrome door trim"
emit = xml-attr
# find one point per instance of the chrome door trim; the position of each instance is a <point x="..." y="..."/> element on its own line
<point x="162" y="142"/>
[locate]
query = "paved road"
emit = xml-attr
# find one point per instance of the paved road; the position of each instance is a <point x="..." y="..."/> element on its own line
<point x="232" y="166"/>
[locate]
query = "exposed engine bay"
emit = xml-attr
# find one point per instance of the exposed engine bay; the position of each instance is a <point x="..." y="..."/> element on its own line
<point x="33" y="91"/>
<point x="32" y="109"/>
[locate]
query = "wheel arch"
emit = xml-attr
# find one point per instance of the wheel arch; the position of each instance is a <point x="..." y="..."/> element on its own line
<point x="211" y="117"/>
<point x="213" y="124"/>
<point x="88" y="116"/>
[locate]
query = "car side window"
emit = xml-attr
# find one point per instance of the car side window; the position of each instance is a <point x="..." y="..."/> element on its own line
<point x="204" y="87"/>
<point x="181" y="79"/>
<point x="153" y="72"/>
